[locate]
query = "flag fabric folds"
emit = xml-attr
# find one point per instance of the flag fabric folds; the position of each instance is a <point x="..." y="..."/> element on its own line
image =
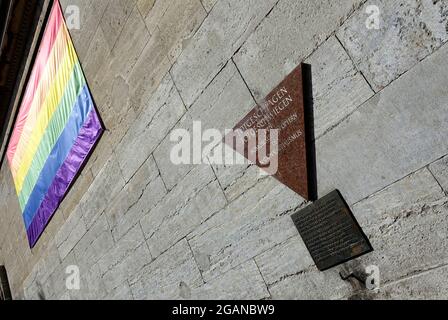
<point x="56" y="128"/>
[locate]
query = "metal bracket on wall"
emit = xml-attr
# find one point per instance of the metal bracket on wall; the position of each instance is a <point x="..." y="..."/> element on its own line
<point x="5" y="291"/>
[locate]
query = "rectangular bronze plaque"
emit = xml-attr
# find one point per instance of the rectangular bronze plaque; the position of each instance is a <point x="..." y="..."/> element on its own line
<point x="331" y="232"/>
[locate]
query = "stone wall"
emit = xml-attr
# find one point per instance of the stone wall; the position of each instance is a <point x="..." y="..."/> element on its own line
<point x="139" y="227"/>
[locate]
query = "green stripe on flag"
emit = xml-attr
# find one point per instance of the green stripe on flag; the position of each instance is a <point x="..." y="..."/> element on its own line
<point x="52" y="132"/>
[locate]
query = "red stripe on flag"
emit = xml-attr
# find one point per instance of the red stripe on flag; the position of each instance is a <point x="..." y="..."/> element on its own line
<point x="45" y="48"/>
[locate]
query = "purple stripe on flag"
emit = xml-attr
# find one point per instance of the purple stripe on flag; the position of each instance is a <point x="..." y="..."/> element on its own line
<point x="88" y="135"/>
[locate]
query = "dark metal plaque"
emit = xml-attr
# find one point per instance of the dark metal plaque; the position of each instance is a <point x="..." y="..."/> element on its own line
<point x="5" y="291"/>
<point x="331" y="232"/>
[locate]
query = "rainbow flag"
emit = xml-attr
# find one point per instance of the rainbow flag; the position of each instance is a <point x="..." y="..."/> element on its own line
<point x="56" y="128"/>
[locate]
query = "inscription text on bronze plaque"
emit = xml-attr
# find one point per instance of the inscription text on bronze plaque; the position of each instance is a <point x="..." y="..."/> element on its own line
<point x="331" y="232"/>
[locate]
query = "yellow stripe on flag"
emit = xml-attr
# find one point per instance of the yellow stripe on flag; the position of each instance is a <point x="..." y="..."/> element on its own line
<point x="52" y="100"/>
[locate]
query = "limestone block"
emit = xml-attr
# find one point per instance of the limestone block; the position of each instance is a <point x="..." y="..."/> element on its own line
<point x="277" y="47"/>
<point x="223" y="32"/>
<point x="122" y="292"/>
<point x="407" y="226"/>
<point x="70" y="233"/>
<point x="149" y="74"/>
<point x="284" y="260"/>
<point x="242" y="283"/>
<point x="128" y="256"/>
<point x="132" y="192"/>
<point x="105" y="187"/>
<point x="191" y="202"/>
<point x="397" y="132"/>
<point x="115" y="18"/>
<point x="221" y="106"/>
<point x="153" y="194"/>
<point x="408" y="32"/>
<point x="165" y="276"/>
<point x="235" y="236"/>
<point x="145" y="6"/>
<point x="440" y="170"/>
<point x="430" y="285"/>
<point x="290" y="273"/>
<point x="128" y="47"/>
<point x="90" y="16"/>
<point x="338" y="88"/>
<point x="159" y="117"/>
<point x="174" y="22"/>
<point x="173" y="173"/>
<point x="208" y="4"/>
<point x="94" y="244"/>
<point x="178" y="224"/>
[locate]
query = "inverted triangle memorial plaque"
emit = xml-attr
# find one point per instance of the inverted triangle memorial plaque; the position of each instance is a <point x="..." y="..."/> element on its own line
<point x="288" y="108"/>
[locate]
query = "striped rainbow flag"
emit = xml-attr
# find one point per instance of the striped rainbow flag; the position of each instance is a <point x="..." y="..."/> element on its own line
<point x="56" y="128"/>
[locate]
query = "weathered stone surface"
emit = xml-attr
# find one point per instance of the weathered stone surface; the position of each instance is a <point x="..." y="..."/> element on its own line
<point x="92" y="285"/>
<point x="290" y="274"/>
<point x="408" y="32"/>
<point x="337" y="86"/>
<point x="208" y="4"/>
<point x="128" y="267"/>
<point x="170" y="172"/>
<point x="180" y="223"/>
<point x="189" y="204"/>
<point x="76" y="193"/>
<point x="225" y="102"/>
<point x="407" y="226"/>
<point x="127" y="244"/>
<point x="70" y="233"/>
<point x="149" y="74"/>
<point x="91" y="13"/>
<point x="115" y="108"/>
<point x="128" y="256"/>
<point x="128" y="47"/>
<point x="132" y="192"/>
<point x="55" y="286"/>
<point x="48" y="263"/>
<point x="311" y="284"/>
<point x="96" y="56"/>
<point x="223" y="32"/>
<point x="35" y="286"/>
<point x="104" y="188"/>
<point x="145" y="6"/>
<point x="159" y="117"/>
<point x="440" y="170"/>
<point x="117" y="115"/>
<point x="164" y="278"/>
<point x="430" y="285"/>
<point x="153" y="194"/>
<point x="95" y="243"/>
<point x="395" y="133"/>
<point x="276" y="47"/>
<point x="284" y="260"/>
<point x="102" y="153"/>
<point x="174" y="22"/>
<point x="235" y="238"/>
<point x="115" y="18"/>
<point x="236" y="179"/>
<point x="242" y="283"/>
<point x="122" y="292"/>
<point x="170" y="23"/>
<point x="63" y="296"/>
<point x="243" y="204"/>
